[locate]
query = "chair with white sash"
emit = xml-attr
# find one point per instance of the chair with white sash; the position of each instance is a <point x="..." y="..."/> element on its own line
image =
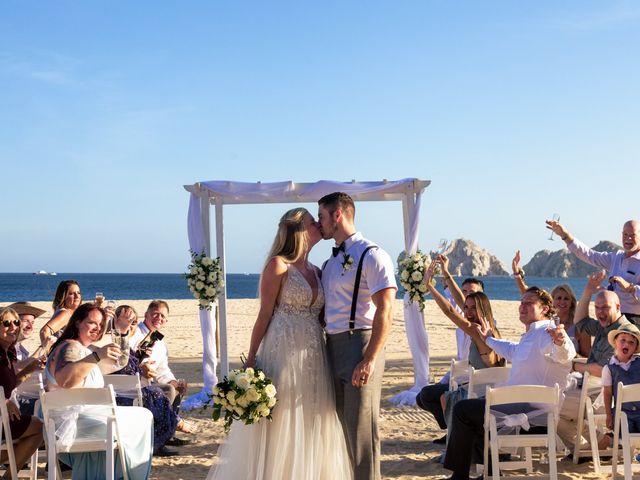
<point x="61" y="410"/>
<point x="502" y="430"/>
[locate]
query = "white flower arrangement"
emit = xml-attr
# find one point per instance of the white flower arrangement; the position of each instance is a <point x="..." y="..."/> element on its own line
<point x="347" y="262"/>
<point x="246" y="394"/>
<point x="205" y="279"/>
<point x="411" y="270"/>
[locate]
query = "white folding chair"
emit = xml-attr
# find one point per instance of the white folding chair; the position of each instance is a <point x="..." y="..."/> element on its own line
<point x="590" y="384"/>
<point x="458" y="373"/>
<point x="625" y="393"/>
<point x="480" y="379"/>
<point x="127" y="386"/>
<point x="63" y="399"/>
<point x="7" y="444"/>
<point x="546" y="398"/>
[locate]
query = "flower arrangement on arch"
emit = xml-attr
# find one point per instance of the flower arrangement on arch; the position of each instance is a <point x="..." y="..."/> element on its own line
<point x="245" y="394"/>
<point x="205" y="279"/>
<point x="411" y="270"/>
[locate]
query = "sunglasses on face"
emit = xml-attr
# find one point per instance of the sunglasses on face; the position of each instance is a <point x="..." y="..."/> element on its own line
<point x="7" y="323"/>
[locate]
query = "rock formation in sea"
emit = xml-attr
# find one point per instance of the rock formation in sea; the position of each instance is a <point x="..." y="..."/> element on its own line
<point x="468" y="259"/>
<point x="562" y="263"/>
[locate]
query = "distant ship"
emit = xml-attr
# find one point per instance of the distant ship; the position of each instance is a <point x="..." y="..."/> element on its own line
<point x="44" y="272"/>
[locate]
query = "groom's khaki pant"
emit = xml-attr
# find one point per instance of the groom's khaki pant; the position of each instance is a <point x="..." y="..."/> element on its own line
<point x="357" y="408"/>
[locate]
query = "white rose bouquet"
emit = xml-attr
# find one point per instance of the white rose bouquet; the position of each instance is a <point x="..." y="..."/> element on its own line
<point x="411" y="270"/>
<point x="205" y="279"/>
<point x="246" y="394"/>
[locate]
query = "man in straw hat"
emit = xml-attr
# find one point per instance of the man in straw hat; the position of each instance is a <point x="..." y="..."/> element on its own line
<point x="28" y="314"/>
<point x="624" y="368"/>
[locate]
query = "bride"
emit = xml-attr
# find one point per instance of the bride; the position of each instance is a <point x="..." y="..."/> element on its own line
<point x="304" y="441"/>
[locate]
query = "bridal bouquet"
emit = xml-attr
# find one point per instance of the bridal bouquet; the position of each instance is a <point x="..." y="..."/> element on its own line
<point x="246" y="394"/>
<point x="411" y="270"/>
<point x="205" y="279"/>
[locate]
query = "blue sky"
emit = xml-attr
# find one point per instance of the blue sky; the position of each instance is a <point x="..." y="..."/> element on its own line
<point x="514" y="110"/>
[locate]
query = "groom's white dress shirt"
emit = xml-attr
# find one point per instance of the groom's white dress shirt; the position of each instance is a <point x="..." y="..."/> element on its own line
<point x="338" y="284"/>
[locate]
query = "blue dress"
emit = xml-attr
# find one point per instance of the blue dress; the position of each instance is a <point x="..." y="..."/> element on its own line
<point x="135" y="425"/>
<point x="165" y="419"/>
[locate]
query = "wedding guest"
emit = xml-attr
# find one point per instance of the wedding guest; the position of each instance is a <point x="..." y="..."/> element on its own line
<point x="541" y="357"/>
<point x="623" y="266"/>
<point x="65" y="302"/>
<point x="155" y="362"/>
<point x="27" y="391"/>
<point x="623" y="367"/>
<point x="28" y="314"/>
<point x="165" y="419"/>
<point x="26" y="430"/>
<point x="564" y="303"/>
<point x="74" y="362"/>
<point x="436" y="398"/>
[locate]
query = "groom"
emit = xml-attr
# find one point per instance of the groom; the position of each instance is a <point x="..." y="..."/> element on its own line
<point x="359" y="287"/>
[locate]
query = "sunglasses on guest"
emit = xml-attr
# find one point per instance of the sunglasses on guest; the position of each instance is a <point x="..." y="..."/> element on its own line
<point x="7" y="323"/>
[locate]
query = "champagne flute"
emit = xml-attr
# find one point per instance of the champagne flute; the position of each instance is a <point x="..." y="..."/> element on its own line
<point x="122" y="340"/>
<point x="555" y="218"/>
<point x="442" y="246"/>
<point x="110" y="307"/>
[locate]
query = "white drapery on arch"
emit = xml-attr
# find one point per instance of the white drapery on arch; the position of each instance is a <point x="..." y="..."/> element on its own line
<point x="220" y="193"/>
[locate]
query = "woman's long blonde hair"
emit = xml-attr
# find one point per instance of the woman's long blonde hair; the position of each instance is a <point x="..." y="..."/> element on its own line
<point x="291" y="240"/>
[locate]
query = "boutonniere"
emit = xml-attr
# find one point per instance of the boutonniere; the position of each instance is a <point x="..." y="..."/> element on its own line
<point x="347" y="262"/>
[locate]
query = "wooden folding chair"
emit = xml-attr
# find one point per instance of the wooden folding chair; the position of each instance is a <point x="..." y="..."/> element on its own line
<point x="127" y="386"/>
<point x="480" y="379"/>
<point x="68" y="398"/>
<point x="7" y="444"/>
<point x="541" y="397"/>
<point x="621" y="435"/>
<point x="458" y="373"/>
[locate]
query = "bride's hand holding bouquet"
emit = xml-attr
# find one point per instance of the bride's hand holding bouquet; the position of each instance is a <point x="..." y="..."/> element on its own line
<point x="245" y="394"/>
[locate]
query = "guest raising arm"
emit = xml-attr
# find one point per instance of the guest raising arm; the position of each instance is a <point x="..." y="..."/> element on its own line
<point x="65" y="302"/>
<point x="623" y="266"/>
<point x="476" y="308"/>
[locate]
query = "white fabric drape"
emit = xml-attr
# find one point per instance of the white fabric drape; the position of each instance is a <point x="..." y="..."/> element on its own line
<point x="198" y="244"/>
<point x="414" y="324"/>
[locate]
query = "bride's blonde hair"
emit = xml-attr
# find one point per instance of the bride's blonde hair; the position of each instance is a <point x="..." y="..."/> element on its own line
<point x="291" y="240"/>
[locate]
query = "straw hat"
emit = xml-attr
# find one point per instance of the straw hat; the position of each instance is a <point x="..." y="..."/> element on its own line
<point x="25" y="308"/>
<point x="631" y="329"/>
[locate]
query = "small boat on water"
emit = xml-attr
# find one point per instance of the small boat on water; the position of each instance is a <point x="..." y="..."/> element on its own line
<point x="53" y="274"/>
<point x="40" y="272"/>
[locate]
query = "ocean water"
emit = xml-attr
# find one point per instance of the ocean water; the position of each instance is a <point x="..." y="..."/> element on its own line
<point x="117" y="286"/>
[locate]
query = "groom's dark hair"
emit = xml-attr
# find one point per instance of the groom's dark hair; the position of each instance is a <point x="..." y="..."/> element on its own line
<point x="340" y="200"/>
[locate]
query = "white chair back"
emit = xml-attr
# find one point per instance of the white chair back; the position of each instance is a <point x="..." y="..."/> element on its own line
<point x="7" y="444"/>
<point x="65" y="399"/>
<point x="127" y="386"/>
<point x="624" y="394"/>
<point x="458" y="373"/>
<point x="480" y="379"/>
<point x="546" y="399"/>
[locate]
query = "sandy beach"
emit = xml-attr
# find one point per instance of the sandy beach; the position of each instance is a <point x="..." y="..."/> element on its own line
<point x="406" y="432"/>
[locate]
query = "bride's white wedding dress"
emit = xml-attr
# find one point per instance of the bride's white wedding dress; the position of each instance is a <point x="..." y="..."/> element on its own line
<point x="305" y="439"/>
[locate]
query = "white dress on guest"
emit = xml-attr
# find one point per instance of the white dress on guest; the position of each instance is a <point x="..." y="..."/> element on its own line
<point x="305" y="439"/>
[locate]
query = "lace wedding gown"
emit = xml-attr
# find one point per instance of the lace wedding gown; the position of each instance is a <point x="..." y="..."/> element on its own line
<point x="305" y="440"/>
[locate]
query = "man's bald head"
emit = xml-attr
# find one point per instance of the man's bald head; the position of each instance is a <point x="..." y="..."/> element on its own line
<point x="607" y="305"/>
<point x="631" y="237"/>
